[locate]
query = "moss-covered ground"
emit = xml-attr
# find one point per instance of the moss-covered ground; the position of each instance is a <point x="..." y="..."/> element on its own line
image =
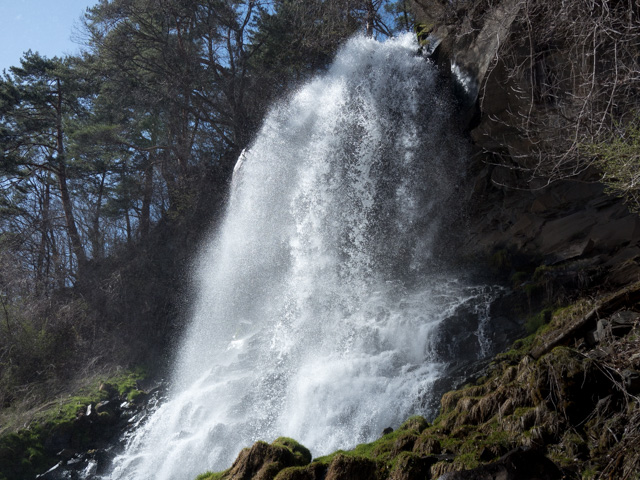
<point x="31" y="450"/>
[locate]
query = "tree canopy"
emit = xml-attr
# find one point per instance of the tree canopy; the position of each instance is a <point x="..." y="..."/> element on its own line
<point x="113" y="162"/>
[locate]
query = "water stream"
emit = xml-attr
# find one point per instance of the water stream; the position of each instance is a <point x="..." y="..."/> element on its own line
<point x="321" y="291"/>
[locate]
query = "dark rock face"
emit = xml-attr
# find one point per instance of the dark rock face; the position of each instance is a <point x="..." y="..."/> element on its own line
<point x="564" y="220"/>
<point x="518" y="464"/>
<point x="560" y="225"/>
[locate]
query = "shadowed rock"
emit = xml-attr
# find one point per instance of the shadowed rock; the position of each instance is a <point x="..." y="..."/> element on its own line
<point x="518" y="464"/>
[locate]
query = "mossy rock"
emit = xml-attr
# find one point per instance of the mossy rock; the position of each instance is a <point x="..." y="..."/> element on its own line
<point x="136" y="396"/>
<point x="314" y="471"/>
<point x="265" y="461"/>
<point x="411" y="466"/>
<point x="301" y="453"/>
<point x="427" y="445"/>
<point x="345" y="467"/>
<point x="417" y="423"/>
<point x="404" y="442"/>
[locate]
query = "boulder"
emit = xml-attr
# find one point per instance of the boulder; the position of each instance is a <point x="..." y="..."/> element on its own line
<point x="264" y="461"/>
<point x="410" y="466"/>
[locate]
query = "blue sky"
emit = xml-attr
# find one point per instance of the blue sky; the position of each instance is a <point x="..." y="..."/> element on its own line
<point x="45" y="26"/>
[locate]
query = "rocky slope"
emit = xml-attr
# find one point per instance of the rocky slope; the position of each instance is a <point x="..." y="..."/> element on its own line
<point x="562" y="403"/>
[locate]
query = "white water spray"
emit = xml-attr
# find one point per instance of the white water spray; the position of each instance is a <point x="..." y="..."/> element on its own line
<point x="318" y="298"/>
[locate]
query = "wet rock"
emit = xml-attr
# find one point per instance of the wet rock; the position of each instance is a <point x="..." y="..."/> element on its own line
<point x="104" y="406"/>
<point x="54" y="473"/>
<point x="59" y="439"/>
<point x="87" y="445"/>
<point x="91" y="411"/>
<point x="66" y="454"/>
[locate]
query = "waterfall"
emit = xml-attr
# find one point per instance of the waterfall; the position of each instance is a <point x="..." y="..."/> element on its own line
<point x="321" y="290"/>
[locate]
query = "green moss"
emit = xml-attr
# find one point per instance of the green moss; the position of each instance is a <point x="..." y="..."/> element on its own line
<point x="501" y="260"/>
<point x="519" y="349"/>
<point x="499" y="437"/>
<point x="384" y="450"/>
<point x="300" y="452"/>
<point x="128" y="381"/>
<point x="467" y="461"/>
<point x="211" y="476"/>
<point x="451" y="445"/>
<point x="23" y="451"/>
<point x="417" y="423"/>
<point x="135" y="395"/>
<point x="422" y="32"/>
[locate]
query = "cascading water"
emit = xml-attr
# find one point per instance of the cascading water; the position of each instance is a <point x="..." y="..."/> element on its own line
<point x="319" y="293"/>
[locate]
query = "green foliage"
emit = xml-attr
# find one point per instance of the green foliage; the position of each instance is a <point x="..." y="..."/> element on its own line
<point x="35" y="346"/>
<point x="619" y="159"/>
<point x="416" y="422"/>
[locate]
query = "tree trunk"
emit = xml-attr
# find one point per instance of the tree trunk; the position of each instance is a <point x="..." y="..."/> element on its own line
<point x="97" y="243"/>
<point x="61" y="172"/>
<point x="145" y="213"/>
<point x="370" y="18"/>
<point x="44" y="259"/>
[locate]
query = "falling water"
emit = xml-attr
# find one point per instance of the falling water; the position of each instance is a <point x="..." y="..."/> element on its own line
<point x="321" y="291"/>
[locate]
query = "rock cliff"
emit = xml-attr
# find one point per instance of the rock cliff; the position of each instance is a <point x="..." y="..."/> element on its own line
<point x="536" y="211"/>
